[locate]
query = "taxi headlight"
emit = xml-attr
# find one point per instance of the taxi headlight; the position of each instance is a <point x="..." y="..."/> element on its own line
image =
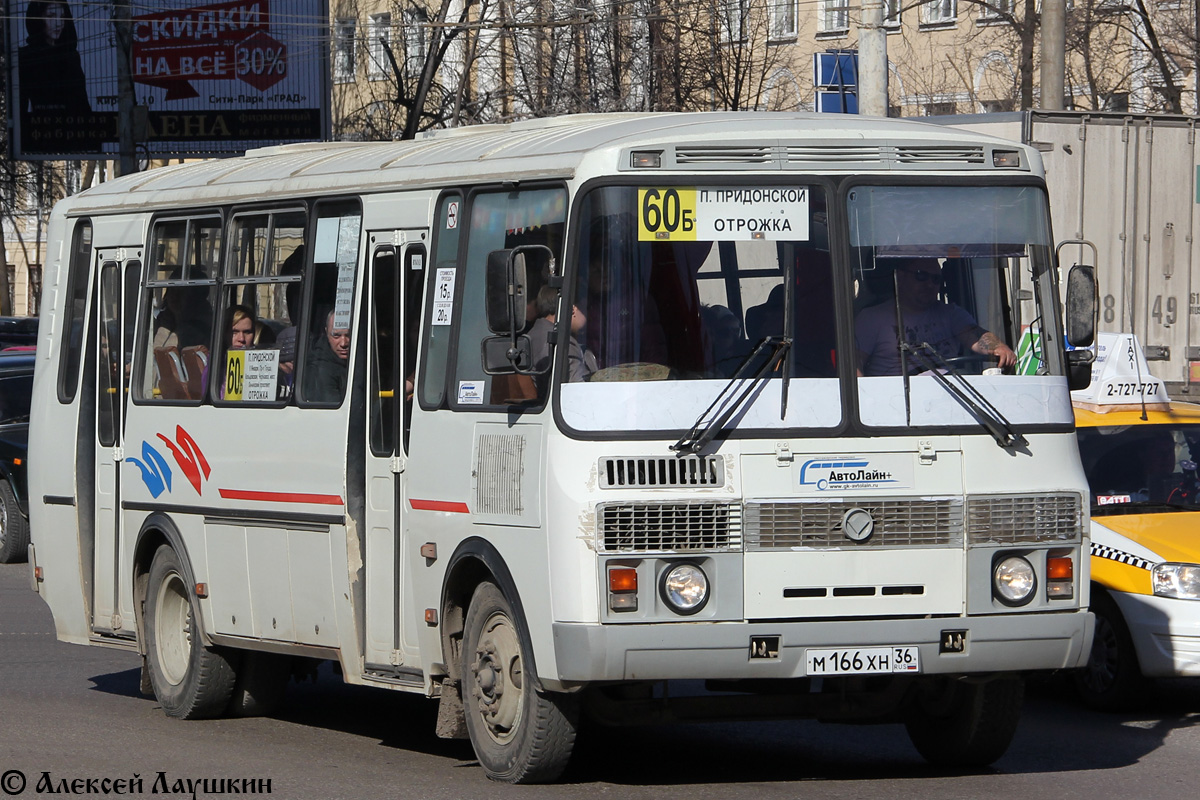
<point x="1014" y="581"/>
<point x="1176" y="580"/>
<point x="684" y="587"/>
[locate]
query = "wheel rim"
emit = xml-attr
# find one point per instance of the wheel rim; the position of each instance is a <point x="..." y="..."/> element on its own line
<point x="498" y="680"/>
<point x="3" y="523"/>
<point x="173" y="628"/>
<point x="1105" y="660"/>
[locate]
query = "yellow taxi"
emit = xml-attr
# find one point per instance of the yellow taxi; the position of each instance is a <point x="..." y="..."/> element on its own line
<point x="1140" y="452"/>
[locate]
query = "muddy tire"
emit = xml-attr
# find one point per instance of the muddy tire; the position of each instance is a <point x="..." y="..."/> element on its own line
<point x="520" y="735"/>
<point x="191" y="681"/>
<point x="1112" y="679"/>
<point x="967" y="724"/>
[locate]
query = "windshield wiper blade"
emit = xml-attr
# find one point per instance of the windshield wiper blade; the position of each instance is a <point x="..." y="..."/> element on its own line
<point x="730" y="398"/>
<point x="988" y="415"/>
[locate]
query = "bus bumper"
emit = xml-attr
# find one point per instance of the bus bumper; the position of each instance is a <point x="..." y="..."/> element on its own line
<point x="723" y="650"/>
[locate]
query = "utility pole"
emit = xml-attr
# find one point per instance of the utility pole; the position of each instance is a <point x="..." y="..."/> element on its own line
<point x="872" y="61"/>
<point x="1054" y="58"/>
<point x="125" y="98"/>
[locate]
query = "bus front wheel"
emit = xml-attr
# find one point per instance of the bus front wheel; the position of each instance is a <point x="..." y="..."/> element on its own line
<point x="966" y="724"/>
<point x="520" y="735"/>
<point x="191" y="681"/>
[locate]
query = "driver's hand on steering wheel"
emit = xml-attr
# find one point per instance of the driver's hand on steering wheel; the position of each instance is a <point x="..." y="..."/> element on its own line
<point x="1005" y="355"/>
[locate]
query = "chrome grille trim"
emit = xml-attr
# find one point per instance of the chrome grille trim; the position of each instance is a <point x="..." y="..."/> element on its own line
<point x="702" y="154"/>
<point x="899" y="522"/>
<point x="662" y="472"/>
<point x="1010" y="519"/>
<point x="681" y="527"/>
<point x="824" y="154"/>
<point x="939" y="154"/>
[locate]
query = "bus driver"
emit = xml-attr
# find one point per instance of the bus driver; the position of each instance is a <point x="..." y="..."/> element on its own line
<point x="946" y="326"/>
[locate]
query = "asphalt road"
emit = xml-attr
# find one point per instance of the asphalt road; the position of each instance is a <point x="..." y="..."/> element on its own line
<point x="75" y="713"/>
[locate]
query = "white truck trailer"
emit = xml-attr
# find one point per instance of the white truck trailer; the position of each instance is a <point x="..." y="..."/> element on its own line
<point x="1127" y="183"/>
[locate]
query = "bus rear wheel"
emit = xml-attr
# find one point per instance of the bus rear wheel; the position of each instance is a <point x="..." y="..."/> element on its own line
<point x="520" y="735"/>
<point x="966" y="724"/>
<point x="191" y="681"/>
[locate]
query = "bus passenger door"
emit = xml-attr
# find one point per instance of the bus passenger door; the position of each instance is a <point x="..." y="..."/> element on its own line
<point x="396" y="281"/>
<point x="117" y="292"/>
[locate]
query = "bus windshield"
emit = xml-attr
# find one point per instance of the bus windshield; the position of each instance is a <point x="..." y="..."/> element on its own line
<point x="676" y="286"/>
<point x="670" y="315"/>
<point x="1131" y="467"/>
<point x="952" y="279"/>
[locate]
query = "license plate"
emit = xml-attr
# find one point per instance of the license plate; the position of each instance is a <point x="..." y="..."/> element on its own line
<point x="863" y="660"/>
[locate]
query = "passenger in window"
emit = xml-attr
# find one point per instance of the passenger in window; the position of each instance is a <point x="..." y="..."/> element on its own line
<point x="581" y="363"/>
<point x="947" y="327"/>
<point x="185" y="319"/>
<point x="326" y="369"/>
<point x="242" y="331"/>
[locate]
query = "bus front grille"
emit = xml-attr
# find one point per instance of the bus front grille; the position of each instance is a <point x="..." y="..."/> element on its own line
<point x="1009" y="519"/>
<point x="899" y="522"/>
<point x="683" y="527"/>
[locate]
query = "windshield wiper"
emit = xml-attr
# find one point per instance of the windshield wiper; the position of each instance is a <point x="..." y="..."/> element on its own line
<point x="730" y="399"/>
<point x="988" y="415"/>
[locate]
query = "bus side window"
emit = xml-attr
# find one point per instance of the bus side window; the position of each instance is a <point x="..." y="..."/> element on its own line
<point x="180" y="288"/>
<point x="442" y="279"/>
<point x="324" y="369"/>
<point x="502" y="220"/>
<point x="76" y="310"/>
<point x="260" y="309"/>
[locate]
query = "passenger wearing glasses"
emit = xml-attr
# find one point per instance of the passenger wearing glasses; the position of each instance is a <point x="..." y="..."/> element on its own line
<point x="948" y="328"/>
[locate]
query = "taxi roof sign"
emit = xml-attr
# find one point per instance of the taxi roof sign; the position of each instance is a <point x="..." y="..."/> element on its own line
<point x="1121" y="378"/>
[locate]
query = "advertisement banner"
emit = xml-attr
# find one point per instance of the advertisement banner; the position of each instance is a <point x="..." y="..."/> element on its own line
<point x="214" y="78"/>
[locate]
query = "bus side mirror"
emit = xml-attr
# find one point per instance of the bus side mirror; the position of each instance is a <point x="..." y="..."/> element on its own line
<point x="506" y="291"/>
<point x="1081" y="306"/>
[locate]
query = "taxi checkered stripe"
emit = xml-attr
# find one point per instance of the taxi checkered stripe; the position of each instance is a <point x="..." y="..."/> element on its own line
<point x="1113" y="554"/>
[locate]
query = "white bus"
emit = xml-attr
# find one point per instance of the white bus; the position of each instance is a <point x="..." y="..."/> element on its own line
<point x="572" y="419"/>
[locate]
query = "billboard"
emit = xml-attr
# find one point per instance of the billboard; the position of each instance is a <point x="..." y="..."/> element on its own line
<point x="214" y="78"/>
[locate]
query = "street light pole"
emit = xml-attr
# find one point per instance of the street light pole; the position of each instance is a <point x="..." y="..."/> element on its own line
<point x="125" y="99"/>
<point x="872" y="61"/>
<point x="1054" y="46"/>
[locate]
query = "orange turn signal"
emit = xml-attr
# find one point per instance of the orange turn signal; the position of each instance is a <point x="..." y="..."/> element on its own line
<point x="622" y="579"/>
<point x="1059" y="569"/>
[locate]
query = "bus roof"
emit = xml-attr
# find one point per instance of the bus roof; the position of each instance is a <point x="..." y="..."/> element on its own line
<point x="556" y="147"/>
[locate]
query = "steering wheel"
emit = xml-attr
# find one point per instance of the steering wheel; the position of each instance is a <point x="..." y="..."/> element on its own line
<point x="970" y="358"/>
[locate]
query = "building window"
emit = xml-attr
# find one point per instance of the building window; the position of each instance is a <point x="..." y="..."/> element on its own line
<point x="939" y="109"/>
<point x="1115" y="101"/>
<point x="783" y="19"/>
<point x="891" y="15"/>
<point x="995" y="106"/>
<point x="996" y="10"/>
<point x="379" y="66"/>
<point x="343" y="51"/>
<point x="939" y="12"/>
<point x="731" y="17"/>
<point x="416" y="24"/>
<point x="834" y="16"/>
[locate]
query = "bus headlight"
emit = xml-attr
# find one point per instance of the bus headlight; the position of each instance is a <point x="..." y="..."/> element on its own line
<point x="684" y="587"/>
<point x="1014" y="581"/>
<point x="1176" y="580"/>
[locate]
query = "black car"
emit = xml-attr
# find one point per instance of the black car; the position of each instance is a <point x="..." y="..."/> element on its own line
<point x="16" y="382"/>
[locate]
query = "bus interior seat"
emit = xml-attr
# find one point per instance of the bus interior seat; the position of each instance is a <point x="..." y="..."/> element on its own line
<point x="766" y="318"/>
<point x="172" y="376"/>
<point x="195" y="364"/>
